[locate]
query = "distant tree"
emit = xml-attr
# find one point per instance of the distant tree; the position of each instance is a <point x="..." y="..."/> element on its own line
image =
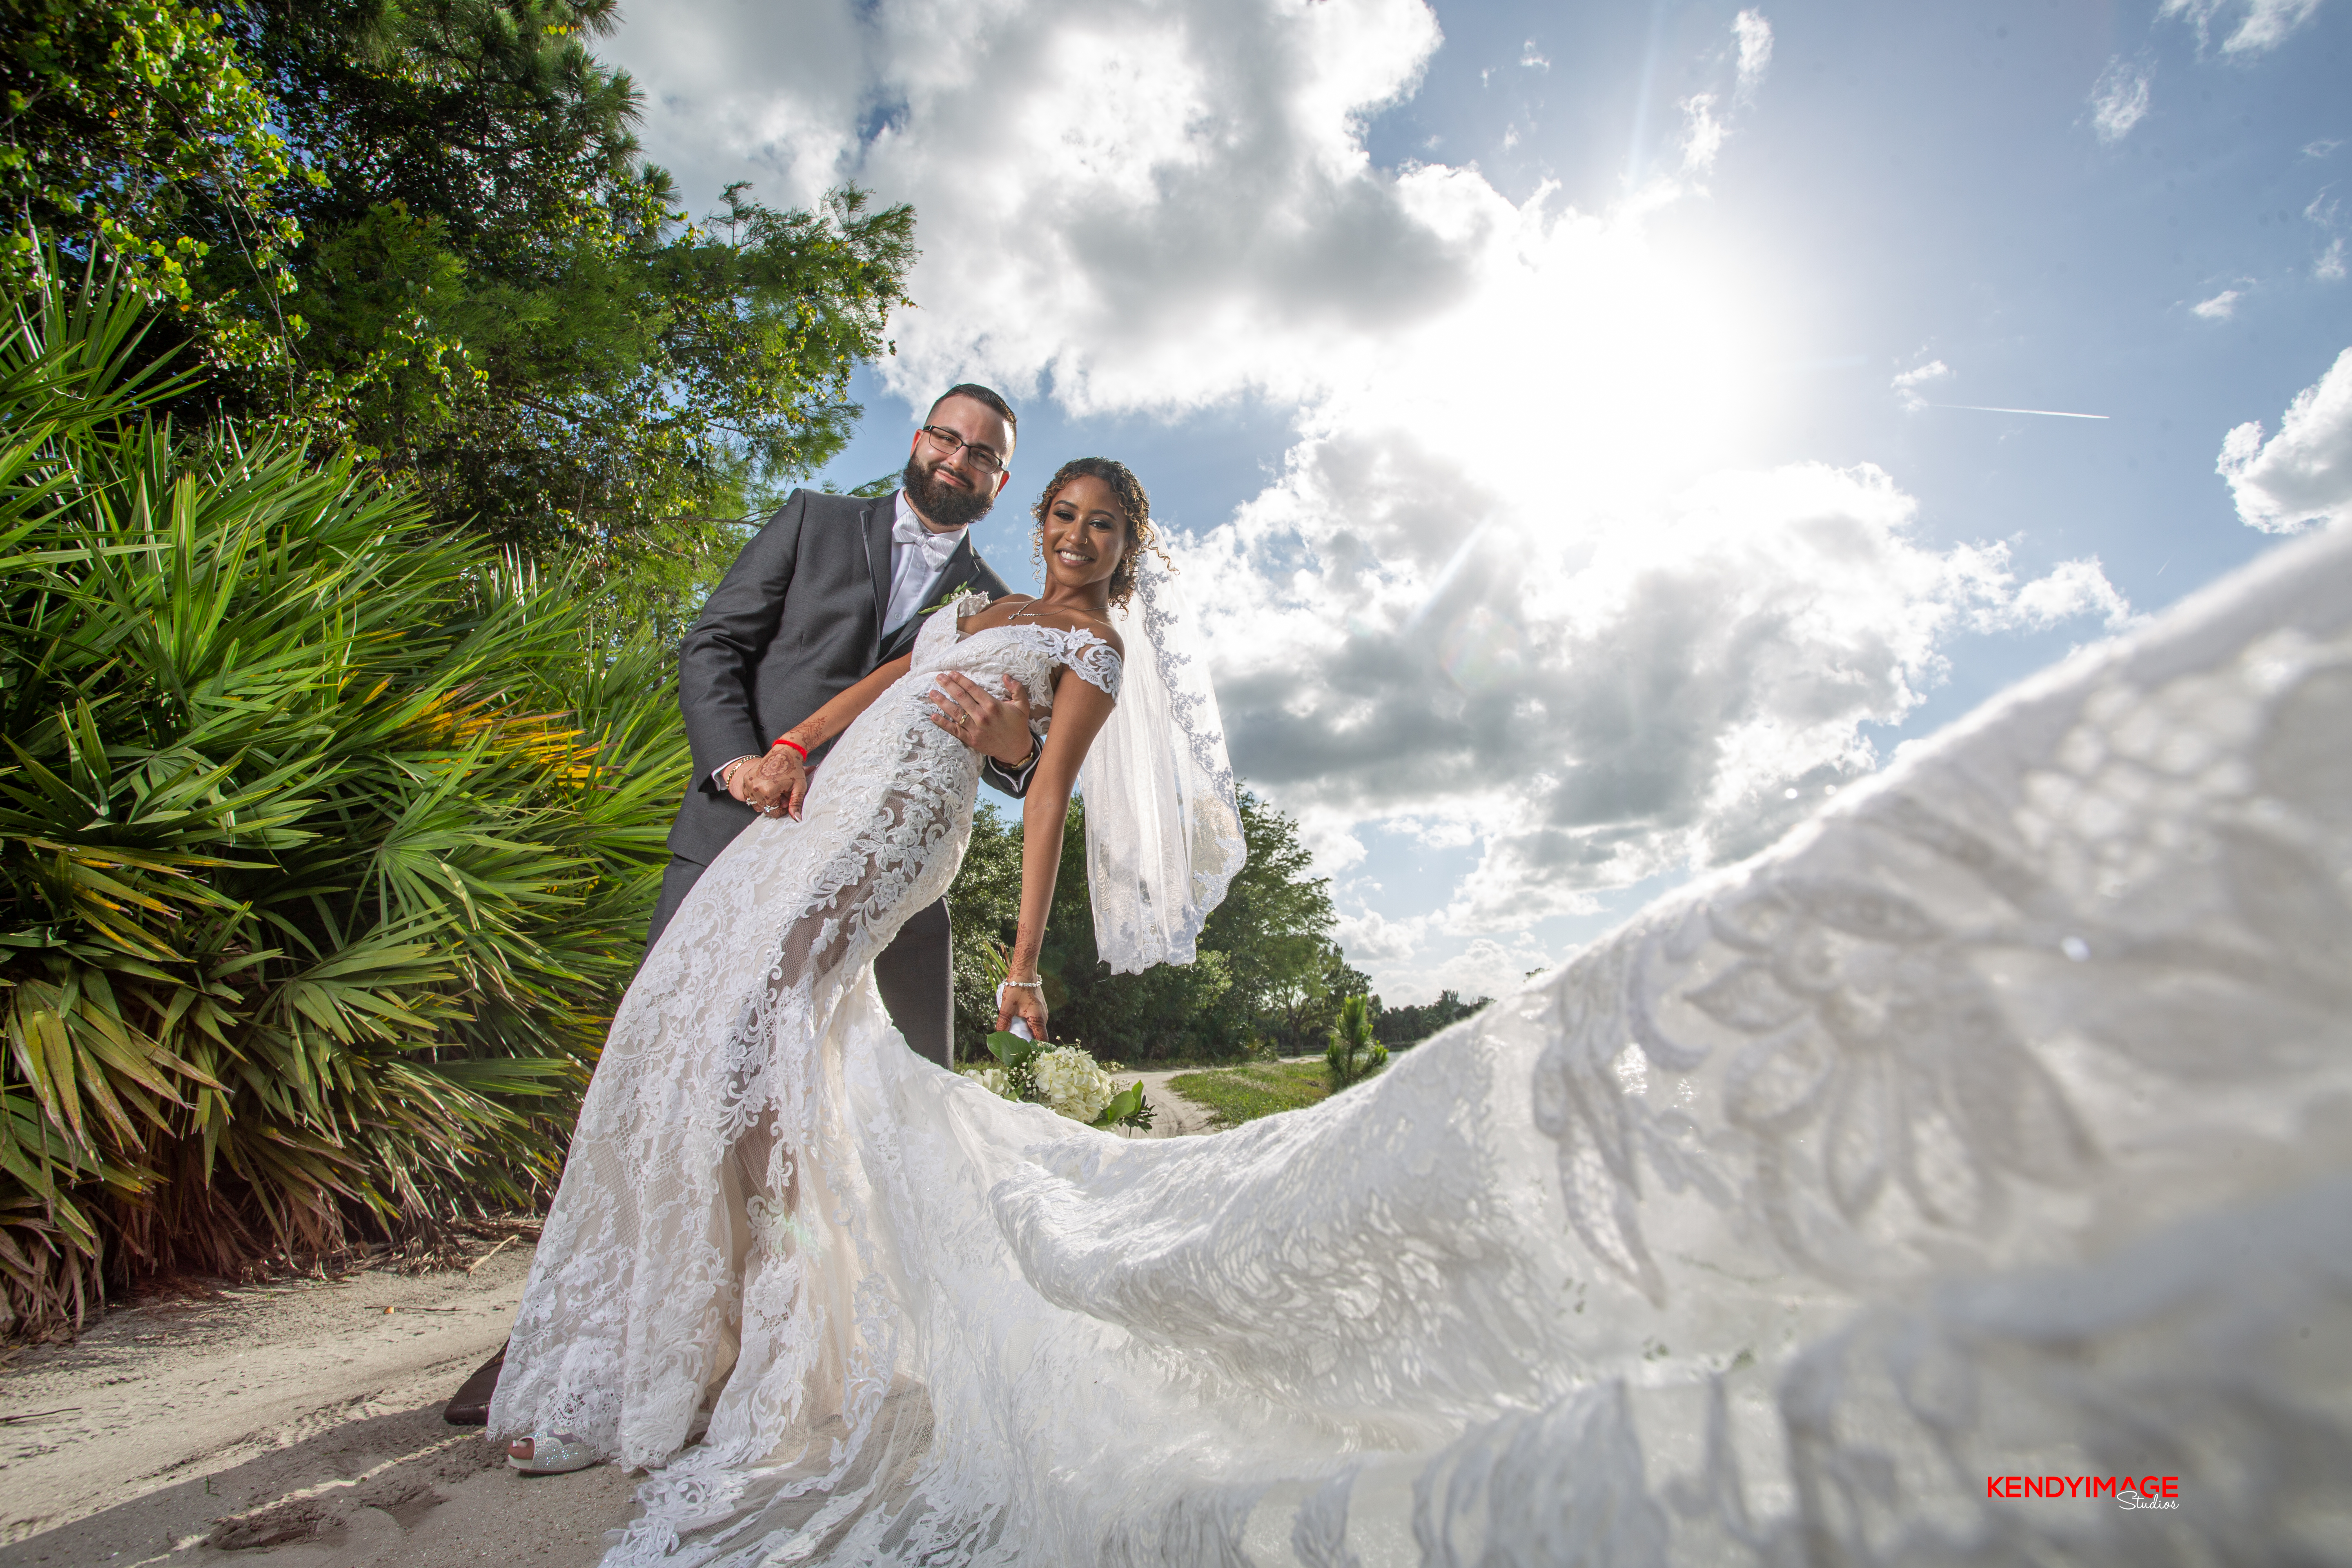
<point x="983" y="910"/>
<point x="1273" y="928"/>
<point x="1400" y="1026"/>
<point x="1266" y="969"/>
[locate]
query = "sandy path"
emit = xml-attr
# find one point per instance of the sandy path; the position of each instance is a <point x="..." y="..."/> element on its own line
<point x="1172" y="1115"/>
<point x="305" y="1408"/>
<point x="298" y="1425"/>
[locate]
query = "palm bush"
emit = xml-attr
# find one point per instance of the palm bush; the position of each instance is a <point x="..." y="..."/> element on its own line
<point x="1354" y="1054"/>
<point x="325" y="843"/>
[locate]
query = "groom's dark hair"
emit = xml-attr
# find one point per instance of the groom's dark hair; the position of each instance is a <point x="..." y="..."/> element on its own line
<point x="983" y="396"/>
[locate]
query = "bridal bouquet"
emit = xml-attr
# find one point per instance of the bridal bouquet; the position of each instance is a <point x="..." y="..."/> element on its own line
<point x="1065" y="1078"/>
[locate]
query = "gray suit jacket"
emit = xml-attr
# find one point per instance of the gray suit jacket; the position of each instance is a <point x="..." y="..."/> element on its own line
<point x="796" y="621"/>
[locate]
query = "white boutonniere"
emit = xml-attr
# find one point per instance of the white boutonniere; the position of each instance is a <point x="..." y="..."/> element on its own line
<point x="954" y="598"/>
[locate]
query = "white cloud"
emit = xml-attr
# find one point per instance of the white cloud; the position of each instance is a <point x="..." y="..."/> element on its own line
<point x="1484" y="966"/>
<point x="2120" y="98"/>
<point x="1702" y="133"/>
<point x="768" y="93"/>
<point x="2330" y="268"/>
<point x="2266" y="25"/>
<point x="2220" y="308"/>
<point x="1907" y="384"/>
<point x="1604" y="696"/>
<point x="2304" y="475"/>
<point x="1506" y="527"/>
<point x="2321" y="148"/>
<point x="1755" y="35"/>
<point x="1158" y="208"/>
<point x="1372" y="938"/>
<point x="1530" y="58"/>
<point x="2073" y="589"/>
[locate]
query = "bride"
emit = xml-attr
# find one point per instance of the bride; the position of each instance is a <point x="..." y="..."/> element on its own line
<point x="1962" y="1180"/>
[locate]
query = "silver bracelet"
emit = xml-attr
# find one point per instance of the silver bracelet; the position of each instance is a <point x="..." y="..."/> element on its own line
<point x="1025" y="984"/>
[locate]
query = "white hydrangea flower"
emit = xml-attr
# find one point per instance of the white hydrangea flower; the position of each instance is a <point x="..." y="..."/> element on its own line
<point x="994" y="1080"/>
<point x="1070" y="1081"/>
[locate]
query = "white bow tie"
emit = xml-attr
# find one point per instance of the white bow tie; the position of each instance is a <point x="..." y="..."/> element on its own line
<point x="936" y="547"/>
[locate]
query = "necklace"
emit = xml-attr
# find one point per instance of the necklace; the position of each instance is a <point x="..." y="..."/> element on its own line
<point x="1023" y="611"/>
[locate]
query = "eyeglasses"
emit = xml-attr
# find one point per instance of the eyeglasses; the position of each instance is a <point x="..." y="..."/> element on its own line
<point x="949" y="443"/>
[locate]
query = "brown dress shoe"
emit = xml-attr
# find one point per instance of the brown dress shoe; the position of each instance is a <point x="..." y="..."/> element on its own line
<point x="470" y="1405"/>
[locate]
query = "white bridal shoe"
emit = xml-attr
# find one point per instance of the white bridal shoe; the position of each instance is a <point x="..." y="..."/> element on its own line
<point x="553" y="1455"/>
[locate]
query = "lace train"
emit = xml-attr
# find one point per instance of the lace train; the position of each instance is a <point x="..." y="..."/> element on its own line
<point x="1989" y="1127"/>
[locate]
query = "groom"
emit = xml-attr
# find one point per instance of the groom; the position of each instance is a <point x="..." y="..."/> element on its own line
<point x="830" y="589"/>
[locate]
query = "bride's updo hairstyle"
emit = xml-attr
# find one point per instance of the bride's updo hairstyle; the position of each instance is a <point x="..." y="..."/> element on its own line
<point x="1131" y="500"/>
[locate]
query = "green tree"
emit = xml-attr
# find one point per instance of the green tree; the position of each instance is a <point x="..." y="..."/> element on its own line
<point x="1266" y="969"/>
<point x="1352" y="1054"/>
<point x="1398" y="1028"/>
<point x="983" y="909"/>
<point x="503" y="304"/>
<point x="424" y="229"/>
<point x="133" y="127"/>
<point x="1273" y="929"/>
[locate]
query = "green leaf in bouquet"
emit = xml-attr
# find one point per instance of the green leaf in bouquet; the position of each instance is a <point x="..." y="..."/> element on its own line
<point x="1011" y="1048"/>
<point x="1127" y="1109"/>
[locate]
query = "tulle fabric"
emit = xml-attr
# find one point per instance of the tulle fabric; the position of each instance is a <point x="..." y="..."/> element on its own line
<point x="1163" y="813"/>
<point x="1990" y="1126"/>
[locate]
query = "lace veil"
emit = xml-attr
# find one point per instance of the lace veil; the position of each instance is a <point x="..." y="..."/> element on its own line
<point x="1163" y="822"/>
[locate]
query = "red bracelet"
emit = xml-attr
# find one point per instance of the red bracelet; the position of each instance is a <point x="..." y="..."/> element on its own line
<point x="783" y="740"/>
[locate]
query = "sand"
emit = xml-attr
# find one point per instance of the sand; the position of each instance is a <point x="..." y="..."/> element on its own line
<point x="300" y="1422"/>
<point x="298" y="1425"/>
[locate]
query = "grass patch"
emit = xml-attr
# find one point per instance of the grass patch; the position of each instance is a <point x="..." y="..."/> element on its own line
<point x="1235" y="1095"/>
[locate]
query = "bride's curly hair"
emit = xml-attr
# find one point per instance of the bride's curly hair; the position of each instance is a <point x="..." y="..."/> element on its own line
<point x="1131" y="500"/>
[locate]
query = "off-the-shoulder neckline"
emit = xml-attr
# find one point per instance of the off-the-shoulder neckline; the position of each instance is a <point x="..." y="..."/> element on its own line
<point x="1087" y="633"/>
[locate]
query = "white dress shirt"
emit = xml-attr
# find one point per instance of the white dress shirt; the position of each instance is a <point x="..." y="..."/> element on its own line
<point x="918" y="556"/>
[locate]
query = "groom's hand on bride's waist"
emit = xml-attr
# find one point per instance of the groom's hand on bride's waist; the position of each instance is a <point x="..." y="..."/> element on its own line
<point x="994" y="726"/>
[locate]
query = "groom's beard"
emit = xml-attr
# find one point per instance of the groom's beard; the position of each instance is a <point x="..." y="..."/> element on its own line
<point x="944" y="506"/>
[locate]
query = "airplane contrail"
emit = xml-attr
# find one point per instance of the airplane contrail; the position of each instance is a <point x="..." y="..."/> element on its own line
<point x="2045" y="413"/>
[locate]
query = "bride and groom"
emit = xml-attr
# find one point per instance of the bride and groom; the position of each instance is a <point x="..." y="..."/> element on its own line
<point x="848" y="683"/>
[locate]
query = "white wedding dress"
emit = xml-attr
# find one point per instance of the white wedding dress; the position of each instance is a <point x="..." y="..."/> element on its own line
<point x="1991" y="1125"/>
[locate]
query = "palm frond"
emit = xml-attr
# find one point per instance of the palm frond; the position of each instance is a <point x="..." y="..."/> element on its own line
<point x="325" y="843"/>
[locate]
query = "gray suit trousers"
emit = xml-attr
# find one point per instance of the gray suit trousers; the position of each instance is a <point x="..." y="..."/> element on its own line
<point x="912" y="974"/>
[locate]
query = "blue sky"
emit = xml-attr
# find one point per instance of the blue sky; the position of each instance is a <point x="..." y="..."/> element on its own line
<point x="1571" y="412"/>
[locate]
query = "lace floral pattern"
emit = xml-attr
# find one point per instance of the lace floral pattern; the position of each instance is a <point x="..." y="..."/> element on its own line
<point x="1990" y="1125"/>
